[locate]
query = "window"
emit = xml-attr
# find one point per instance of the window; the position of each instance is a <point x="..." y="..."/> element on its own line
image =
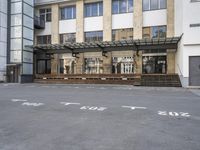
<point x="45" y="39"/>
<point x="44" y="66"/>
<point x="93" y="36"/>
<point x="45" y="14"/>
<point x="122" y="65"/>
<point x="154" y="64"/>
<point x="69" y="37"/>
<point x="154" y="32"/>
<point x="94" y="9"/>
<point x="122" y="6"/>
<point x="68" y="13"/>
<point x="93" y="65"/>
<point x="154" y="4"/>
<point x="122" y="34"/>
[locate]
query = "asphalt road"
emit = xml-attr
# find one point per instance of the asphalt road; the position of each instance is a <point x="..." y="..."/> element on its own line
<point x="98" y="117"/>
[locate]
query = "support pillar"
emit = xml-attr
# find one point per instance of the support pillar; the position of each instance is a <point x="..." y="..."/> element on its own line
<point x="170" y="33"/>
<point x="137" y="34"/>
<point x="55" y="37"/>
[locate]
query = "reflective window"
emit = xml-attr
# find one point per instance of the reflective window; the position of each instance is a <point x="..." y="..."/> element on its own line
<point x="68" y="12"/>
<point x="122" y="34"/>
<point x="93" y="36"/>
<point x="154" y="32"/>
<point x="122" y="65"/>
<point x="154" y="64"/>
<point x="43" y="66"/>
<point x="154" y="4"/>
<point x="122" y="6"/>
<point x="45" y="14"/>
<point x="93" y="65"/>
<point x="94" y="9"/>
<point x="45" y="39"/>
<point x="68" y="37"/>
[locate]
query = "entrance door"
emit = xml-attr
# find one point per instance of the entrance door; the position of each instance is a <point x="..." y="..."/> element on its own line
<point x="194" y="71"/>
<point x="13" y="74"/>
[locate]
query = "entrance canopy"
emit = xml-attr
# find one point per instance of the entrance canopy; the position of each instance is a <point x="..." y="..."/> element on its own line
<point x="105" y="46"/>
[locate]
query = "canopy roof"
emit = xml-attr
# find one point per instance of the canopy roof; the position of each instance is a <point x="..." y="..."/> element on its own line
<point x="105" y="46"/>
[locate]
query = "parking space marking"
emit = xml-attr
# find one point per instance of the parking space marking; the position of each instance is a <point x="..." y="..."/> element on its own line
<point x="67" y="103"/>
<point x="19" y="100"/>
<point x="32" y="104"/>
<point x="134" y="107"/>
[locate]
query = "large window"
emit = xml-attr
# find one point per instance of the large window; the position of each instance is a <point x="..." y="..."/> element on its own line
<point x="122" y="6"/>
<point x="122" y="65"/>
<point x="68" y="13"/>
<point x="68" y="37"/>
<point x="94" y="9"/>
<point x="122" y="34"/>
<point x="45" y="14"/>
<point x="93" y="36"/>
<point x="154" y="64"/>
<point x="154" y="4"/>
<point x="154" y="32"/>
<point x="44" y="66"/>
<point x="93" y="65"/>
<point x="45" y="39"/>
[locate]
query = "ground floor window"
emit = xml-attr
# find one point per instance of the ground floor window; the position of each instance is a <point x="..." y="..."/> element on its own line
<point x="44" y="66"/>
<point x="93" y="65"/>
<point x="122" y="65"/>
<point x="154" y="64"/>
<point x="67" y="66"/>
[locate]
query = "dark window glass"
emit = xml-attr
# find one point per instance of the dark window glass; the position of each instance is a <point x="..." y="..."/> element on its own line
<point x="163" y="4"/>
<point x="100" y="9"/>
<point x="94" y="9"/>
<point x="162" y="32"/>
<point x="68" y="13"/>
<point x="43" y="66"/>
<point x="122" y="34"/>
<point x="155" y="32"/>
<point x="45" y="14"/>
<point x="115" y="7"/>
<point x="122" y="6"/>
<point x="154" y="4"/>
<point x="94" y="36"/>
<point x="145" y="5"/>
<point x="130" y="5"/>
<point x="69" y="37"/>
<point x="46" y="39"/>
<point x="154" y="64"/>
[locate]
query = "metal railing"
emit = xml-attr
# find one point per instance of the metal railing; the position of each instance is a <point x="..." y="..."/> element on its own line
<point x="39" y="23"/>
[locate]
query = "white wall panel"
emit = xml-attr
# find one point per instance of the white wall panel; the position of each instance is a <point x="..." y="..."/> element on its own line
<point x="67" y="26"/>
<point x="155" y="18"/>
<point x="93" y="24"/>
<point x="120" y="21"/>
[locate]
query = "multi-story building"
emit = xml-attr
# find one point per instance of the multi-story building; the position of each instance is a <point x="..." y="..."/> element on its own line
<point x="3" y="39"/>
<point x="115" y="39"/>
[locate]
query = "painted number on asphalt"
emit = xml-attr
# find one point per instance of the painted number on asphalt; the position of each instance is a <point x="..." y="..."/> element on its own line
<point x="173" y="114"/>
<point x="93" y="108"/>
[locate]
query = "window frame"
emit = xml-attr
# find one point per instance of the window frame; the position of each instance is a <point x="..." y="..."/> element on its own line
<point x="90" y="5"/>
<point x="150" y="9"/>
<point x="45" y="14"/>
<point x="118" y="9"/>
<point x="73" y="15"/>
<point x="93" y="32"/>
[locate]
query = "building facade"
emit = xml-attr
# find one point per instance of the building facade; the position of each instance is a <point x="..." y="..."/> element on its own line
<point x="3" y="40"/>
<point x="151" y="38"/>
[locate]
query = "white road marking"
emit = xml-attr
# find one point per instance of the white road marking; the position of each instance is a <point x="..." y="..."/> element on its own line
<point x="67" y="104"/>
<point x="134" y="107"/>
<point x="94" y="108"/>
<point x="19" y="100"/>
<point x="173" y="114"/>
<point x="32" y="104"/>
